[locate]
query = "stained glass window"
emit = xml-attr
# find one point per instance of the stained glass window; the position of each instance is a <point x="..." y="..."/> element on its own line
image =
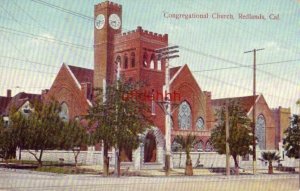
<point x="184" y="116"/>
<point x="200" y="123"/>
<point x="64" y="113"/>
<point x="260" y="129"/>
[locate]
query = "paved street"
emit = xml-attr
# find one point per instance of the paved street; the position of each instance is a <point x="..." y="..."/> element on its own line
<point x="26" y="180"/>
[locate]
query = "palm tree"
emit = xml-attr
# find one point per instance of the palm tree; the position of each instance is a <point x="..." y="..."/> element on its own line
<point x="270" y="157"/>
<point x="187" y="143"/>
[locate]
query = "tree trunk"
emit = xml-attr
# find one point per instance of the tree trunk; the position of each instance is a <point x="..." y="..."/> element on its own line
<point x="105" y="160"/>
<point x="40" y="159"/>
<point x="236" y="165"/>
<point x="119" y="163"/>
<point x="270" y="171"/>
<point x="180" y="159"/>
<point x="20" y="150"/>
<point x="188" y="165"/>
<point x="76" y="157"/>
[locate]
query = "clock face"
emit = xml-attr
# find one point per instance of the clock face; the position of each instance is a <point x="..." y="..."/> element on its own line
<point x="99" y="21"/>
<point x="114" y="21"/>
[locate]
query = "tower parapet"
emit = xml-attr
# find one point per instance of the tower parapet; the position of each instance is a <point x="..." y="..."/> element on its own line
<point x="106" y="4"/>
<point x="139" y="32"/>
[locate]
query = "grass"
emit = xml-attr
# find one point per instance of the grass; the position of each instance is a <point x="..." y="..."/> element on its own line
<point x="66" y="170"/>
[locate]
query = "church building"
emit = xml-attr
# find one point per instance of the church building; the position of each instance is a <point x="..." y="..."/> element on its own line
<point x="134" y="52"/>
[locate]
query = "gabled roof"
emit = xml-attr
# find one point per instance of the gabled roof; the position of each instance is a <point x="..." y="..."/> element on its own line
<point x="82" y="75"/>
<point x="246" y="101"/>
<point x="173" y="71"/>
<point x="18" y="100"/>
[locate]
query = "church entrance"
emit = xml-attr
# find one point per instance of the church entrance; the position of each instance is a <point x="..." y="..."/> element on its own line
<point x="150" y="148"/>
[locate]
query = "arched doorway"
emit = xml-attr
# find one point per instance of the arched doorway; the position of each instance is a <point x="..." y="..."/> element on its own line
<point x="150" y="148"/>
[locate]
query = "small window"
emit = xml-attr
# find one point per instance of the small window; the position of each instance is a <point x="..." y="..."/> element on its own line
<point x="209" y="147"/>
<point x="132" y="58"/>
<point x="152" y="62"/>
<point x="125" y="62"/>
<point x="199" y="147"/>
<point x="117" y="64"/>
<point x="145" y="57"/>
<point x="159" y="65"/>
<point x="200" y="124"/>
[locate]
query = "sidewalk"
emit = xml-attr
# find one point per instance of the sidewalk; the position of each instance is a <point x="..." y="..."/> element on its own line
<point x="176" y="172"/>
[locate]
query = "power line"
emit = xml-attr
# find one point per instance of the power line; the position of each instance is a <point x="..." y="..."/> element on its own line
<point x="43" y="38"/>
<point x="201" y="53"/>
<point x="64" y="10"/>
<point x="47" y="29"/>
<point x="16" y="68"/>
<point x="236" y="63"/>
<point x="247" y="66"/>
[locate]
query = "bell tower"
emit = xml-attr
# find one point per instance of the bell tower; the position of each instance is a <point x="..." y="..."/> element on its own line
<point x="107" y="23"/>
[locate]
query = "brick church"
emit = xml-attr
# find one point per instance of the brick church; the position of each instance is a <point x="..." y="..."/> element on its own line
<point x="134" y="51"/>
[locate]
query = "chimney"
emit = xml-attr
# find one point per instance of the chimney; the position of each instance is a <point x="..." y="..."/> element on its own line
<point x="8" y="93"/>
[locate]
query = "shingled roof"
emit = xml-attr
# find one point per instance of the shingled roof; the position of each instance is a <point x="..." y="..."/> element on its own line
<point x="83" y="75"/>
<point x="246" y="102"/>
<point x="19" y="99"/>
<point x="173" y="71"/>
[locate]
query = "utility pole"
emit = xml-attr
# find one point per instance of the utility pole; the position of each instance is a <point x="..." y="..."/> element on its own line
<point x="253" y="110"/>
<point x="117" y="151"/>
<point x="167" y="54"/>
<point x="227" y="137"/>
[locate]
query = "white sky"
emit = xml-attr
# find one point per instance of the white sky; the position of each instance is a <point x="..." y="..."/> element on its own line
<point x="202" y="42"/>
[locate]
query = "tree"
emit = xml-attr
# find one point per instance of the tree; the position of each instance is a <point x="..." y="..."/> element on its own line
<point x="292" y="139"/>
<point x="119" y="121"/>
<point x="6" y="146"/>
<point x="270" y="157"/>
<point x="186" y="143"/>
<point x="18" y="124"/>
<point x="8" y="142"/>
<point x="73" y="136"/>
<point x="44" y="129"/>
<point x="240" y="137"/>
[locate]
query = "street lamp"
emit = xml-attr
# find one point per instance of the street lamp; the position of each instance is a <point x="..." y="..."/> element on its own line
<point x="166" y="54"/>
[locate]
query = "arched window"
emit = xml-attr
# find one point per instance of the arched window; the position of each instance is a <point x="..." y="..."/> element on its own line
<point x="260" y="129"/>
<point x="117" y="63"/>
<point x="200" y="123"/>
<point x="184" y="116"/>
<point x="199" y="146"/>
<point x="125" y="61"/>
<point x="64" y="113"/>
<point x="145" y="57"/>
<point x="159" y="65"/>
<point x="152" y="62"/>
<point x="132" y="59"/>
<point x="209" y="147"/>
<point x="150" y="148"/>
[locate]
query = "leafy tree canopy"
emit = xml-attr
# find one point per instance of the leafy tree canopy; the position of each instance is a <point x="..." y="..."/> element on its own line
<point x="240" y="134"/>
<point x="292" y="139"/>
